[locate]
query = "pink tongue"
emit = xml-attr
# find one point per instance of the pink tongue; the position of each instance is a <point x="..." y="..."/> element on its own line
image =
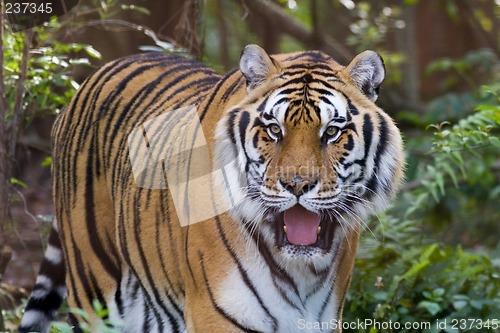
<point x="301" y="225"/>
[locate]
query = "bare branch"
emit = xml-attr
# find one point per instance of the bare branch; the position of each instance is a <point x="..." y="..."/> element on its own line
<point x="4" y="163"/>
<point x="274" y="13"/>
<point x="14" y="125"/>
<point x="186" y="31"/>
<point x="113" y="25"/>
<point x="223" y="33"/>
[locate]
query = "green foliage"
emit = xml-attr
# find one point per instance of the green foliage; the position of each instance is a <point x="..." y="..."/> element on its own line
<point x="375" y="20"/>
<point x="402" y="277"/>
<point x="469" y="68"/>
<point x="402" y="274"/>
<point x="457" y="180"/>
<point x="369" y="31"/>
<point x="454" y="173"/>
<point x="103" y="324"/>
<point x="48" y="85"/>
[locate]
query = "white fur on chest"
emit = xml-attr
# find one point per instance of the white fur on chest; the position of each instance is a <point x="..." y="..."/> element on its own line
<point x="259" y="303"/>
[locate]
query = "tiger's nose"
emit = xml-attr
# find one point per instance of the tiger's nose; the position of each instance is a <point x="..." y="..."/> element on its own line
<point x="298" y="186"/>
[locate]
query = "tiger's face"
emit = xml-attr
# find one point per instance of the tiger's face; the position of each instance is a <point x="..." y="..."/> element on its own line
<point x="317" y="155"/>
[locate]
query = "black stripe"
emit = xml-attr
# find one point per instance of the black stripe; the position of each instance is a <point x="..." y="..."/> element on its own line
<point x="147" y="317"/>
<point x="159" y="319"/>
<point x="48" y="304"/>
<point x="236" y="85"/>
<point x="94" y="82"/>
<point x="109" y="265"/>
<point x="186" y="255"/>
<point x="258" y="135"/>
<point x="214" y="302"/>
<point x="286" y="92"/>
<point x="372" y="183"/>
<point x="352" y="109"/>
<point x="322" y="91"/>
<point x="118" y="300"/>
<point x="245" y="278"/>
<point x="55" y="271"/>
<point x="124" y="115"/>
<point x="134" y="285"/>
<point x="161" y="215"/>
<point x="214" y="93"/>
<point x="82" y="276"/>
<point x="262" y="106"/>
<point x="136" y="288"/>
<point x="149" y="277"/>
<point x="70" y="273"/>
<point x="243" y="123"/>
<point x="93" y="95"/>
<point x="367" y="135"/>
<point x="326" y="301"/>
<point x="97" y="292"/>
<point x="74" y="323"/>
<point x="312" y="56"/>
<point x="277" y="272"/>
<point x="381" y="149"/>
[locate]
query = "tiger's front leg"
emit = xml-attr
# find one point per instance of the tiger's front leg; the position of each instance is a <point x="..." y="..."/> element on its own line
<point x="212" y="259"/>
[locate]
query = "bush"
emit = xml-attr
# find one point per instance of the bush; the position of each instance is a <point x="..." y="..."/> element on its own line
<point x="404" y="276"/>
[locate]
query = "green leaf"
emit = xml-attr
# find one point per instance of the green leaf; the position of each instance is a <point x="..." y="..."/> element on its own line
<point x="438" y="292"/>
<point x="92" y="52"/>
<point x="429" y="251"/>
<point x="495" y="141"/>
<point x="415" y="269"/>
<point x="477" y="304"/>
<point x="150" y="48"/>
<point x="440" y="183"/>
<point x="15" y="181"/>
<point x="80" y="313"/>
<point x="47" y="161"/>
<point x="61" y="327"/>
<point x="459" y="305"/>
<point x="432" y="307"/>
<point x="449" y="170"/>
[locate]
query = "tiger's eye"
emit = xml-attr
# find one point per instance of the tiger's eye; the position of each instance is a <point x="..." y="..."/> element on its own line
<point x="275" y="129"/>
<point x="331" y="130"/>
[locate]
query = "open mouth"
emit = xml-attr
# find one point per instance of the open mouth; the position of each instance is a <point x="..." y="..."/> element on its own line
<point x="301" y="227"/>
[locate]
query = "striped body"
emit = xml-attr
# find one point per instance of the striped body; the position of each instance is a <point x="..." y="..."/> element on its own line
<point x="333" y="155"/>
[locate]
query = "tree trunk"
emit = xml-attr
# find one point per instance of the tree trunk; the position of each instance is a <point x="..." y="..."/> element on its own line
<point x="4" y="162"/>
<point x="223" y="35"/>
<point x="9" y="133"/>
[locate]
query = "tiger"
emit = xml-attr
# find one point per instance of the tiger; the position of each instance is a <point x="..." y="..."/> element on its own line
<point x="294" y="157"/>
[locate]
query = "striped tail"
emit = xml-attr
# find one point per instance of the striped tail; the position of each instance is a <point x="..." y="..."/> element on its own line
<point x="49" y="290"/>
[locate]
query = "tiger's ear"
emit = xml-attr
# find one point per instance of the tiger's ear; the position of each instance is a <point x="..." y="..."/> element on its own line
<point x="257" y="66"/>
<point x="367" y="72"/>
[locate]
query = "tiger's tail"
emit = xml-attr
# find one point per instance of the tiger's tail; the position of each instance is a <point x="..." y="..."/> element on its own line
<point x="49" y="290"/>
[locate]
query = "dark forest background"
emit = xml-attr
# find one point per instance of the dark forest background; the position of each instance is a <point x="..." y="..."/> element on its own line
<point x="434" y="255"/>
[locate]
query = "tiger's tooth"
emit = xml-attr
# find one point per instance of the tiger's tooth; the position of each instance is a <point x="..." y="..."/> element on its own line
<point x="284" y="228"/>
<point x="319" y="230"/>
